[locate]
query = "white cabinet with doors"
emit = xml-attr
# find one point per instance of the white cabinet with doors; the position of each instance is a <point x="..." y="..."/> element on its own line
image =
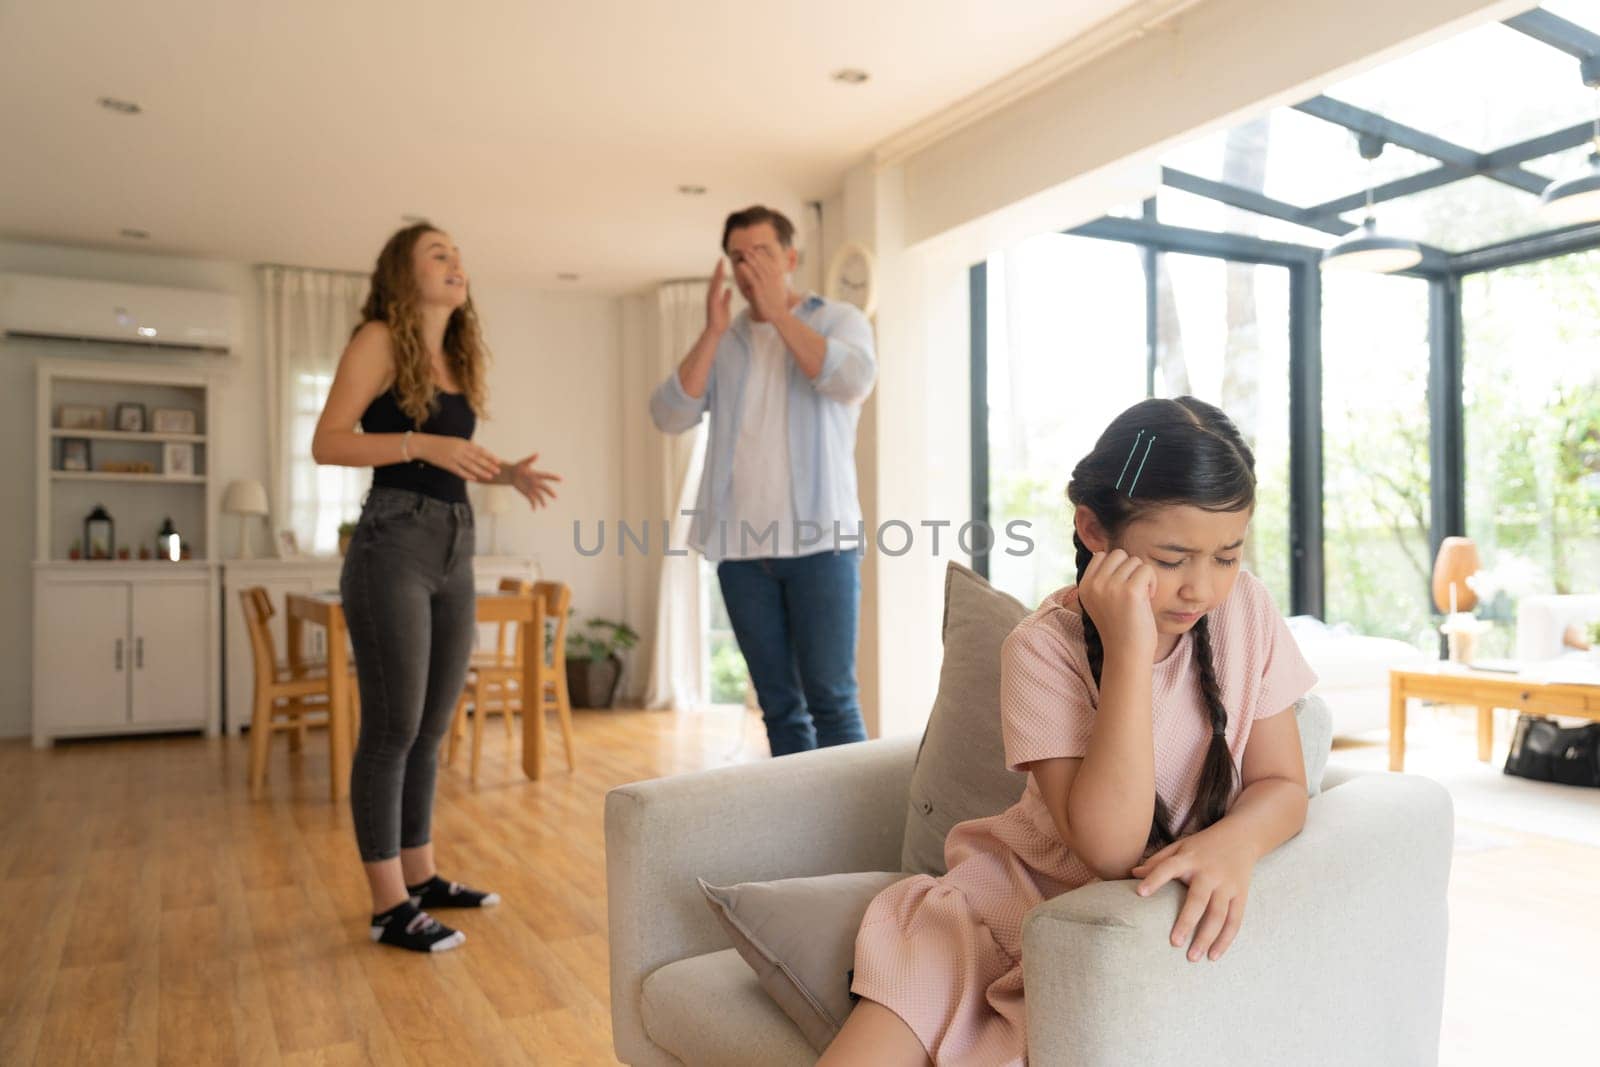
<point x="122" y="648"/>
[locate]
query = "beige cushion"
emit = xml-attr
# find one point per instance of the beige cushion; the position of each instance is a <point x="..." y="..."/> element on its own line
<point x="708" y="1011"/>
<point x="799" y="936"/>
<point x="961" y="768"/>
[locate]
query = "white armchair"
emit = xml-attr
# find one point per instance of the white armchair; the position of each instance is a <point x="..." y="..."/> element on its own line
<point x="1340" y="960"/>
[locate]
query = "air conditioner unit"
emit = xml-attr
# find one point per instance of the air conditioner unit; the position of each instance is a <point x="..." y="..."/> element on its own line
<point x="71" y="309"/>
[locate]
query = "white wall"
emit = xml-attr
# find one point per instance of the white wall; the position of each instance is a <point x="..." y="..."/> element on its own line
<point x="555" y="386"/>
<point x="554" y="389"/>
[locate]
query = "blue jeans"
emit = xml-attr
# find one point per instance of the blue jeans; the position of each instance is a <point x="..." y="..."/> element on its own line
<point x="795" y="620"/>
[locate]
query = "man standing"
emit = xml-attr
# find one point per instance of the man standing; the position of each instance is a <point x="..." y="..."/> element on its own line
<point x="783" y="382"/>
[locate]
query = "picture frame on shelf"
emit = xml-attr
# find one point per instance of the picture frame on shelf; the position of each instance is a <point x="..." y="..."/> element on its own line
<point x="75" y="455"/>
<point x="288" y="544"/>
<point x="177" y="460"/>
<point x="172" y="420"/>
<point x="80" y="417"/>
<point x="130" y="418"/>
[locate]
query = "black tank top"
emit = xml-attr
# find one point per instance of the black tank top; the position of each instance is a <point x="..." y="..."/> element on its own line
<point x="452" y="416"/>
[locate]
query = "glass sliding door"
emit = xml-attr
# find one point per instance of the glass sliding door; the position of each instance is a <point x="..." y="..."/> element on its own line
<point x="1531" y="416"/>
<point x="1065" y="352"/>
<point x="1376" y="479"/>
<point x="1223" y="336"/>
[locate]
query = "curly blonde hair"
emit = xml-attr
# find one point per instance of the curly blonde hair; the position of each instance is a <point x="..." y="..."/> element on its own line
<point x="392" y="299"/>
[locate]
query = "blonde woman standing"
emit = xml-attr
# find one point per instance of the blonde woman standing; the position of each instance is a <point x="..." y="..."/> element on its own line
<point x="413" y="379"/>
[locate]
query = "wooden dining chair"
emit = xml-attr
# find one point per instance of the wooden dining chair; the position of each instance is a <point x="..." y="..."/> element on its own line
<point x="494" y="682"/>
<point x="289" y="696"/>
<point x="552" y="601"/>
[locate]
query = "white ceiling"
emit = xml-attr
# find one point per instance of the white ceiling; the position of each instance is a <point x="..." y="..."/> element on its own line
<point x="548" y="137"/>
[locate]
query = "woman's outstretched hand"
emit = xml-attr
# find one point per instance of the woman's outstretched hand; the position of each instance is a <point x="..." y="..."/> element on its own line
<point x="1216" y="866"/>
<point x="538" y="486"/>
<point x="1116" y="591"/>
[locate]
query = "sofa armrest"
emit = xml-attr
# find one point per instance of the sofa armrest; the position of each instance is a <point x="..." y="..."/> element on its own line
<point x="824" y="812"/>
<point x="1340" y="958"/>
<point x="1337" y="774"/>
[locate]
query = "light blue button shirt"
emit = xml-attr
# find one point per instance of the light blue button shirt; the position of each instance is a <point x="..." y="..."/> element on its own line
<point x="823" y="412"/>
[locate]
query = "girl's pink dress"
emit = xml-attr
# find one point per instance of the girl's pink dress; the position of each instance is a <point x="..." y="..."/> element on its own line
<point x="945" y="954"/>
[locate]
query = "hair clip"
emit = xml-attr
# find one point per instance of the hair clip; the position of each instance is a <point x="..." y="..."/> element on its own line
<point x="1136" y="439"/>
<point x="1143" y="459"/>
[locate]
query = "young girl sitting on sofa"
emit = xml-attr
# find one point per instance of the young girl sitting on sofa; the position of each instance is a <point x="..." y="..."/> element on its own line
<point x="1145" y="702"/>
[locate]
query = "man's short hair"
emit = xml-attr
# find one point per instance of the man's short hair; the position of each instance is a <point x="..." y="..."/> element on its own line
<point x="755" y="216"/>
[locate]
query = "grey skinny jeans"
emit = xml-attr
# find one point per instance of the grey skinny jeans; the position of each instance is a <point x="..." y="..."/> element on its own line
<point x="410" y="602"/>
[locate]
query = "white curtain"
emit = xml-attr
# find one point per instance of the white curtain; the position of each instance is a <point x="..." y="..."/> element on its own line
<point x="678" y="668"/>
<point x="308" y="316"/>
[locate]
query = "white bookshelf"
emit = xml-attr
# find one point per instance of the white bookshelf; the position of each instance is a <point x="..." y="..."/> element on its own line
<point x="138" y="502"/>
<point x="124" y="646"/>
<point x="118" y="435"/>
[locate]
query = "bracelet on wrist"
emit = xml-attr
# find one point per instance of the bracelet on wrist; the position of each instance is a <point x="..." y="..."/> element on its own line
<point x="405" y="446"/>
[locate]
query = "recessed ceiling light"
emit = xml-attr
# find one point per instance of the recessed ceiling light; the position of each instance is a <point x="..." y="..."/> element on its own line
<point x="850" y="76"/>
<point x="136" y="235"/>
<point x="121" y="107"/>
<point x="567" y="276"/>
<point x="692" y="190"/>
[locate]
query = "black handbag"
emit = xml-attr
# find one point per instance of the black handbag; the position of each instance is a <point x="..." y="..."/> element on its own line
<point x="1545" y="751"/>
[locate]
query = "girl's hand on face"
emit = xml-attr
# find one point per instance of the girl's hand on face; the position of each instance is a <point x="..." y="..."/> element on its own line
<point x="1217" y="869"/>
<point x="1117" y="590"/>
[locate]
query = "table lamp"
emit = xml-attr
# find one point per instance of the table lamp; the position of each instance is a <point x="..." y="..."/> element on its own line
<point x="246" y="499"/>
<point x="1457" y="561"/>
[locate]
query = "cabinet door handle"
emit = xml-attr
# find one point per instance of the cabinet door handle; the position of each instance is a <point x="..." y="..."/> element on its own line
<point x="119" y="653"/>
<point x="138" y="653"/>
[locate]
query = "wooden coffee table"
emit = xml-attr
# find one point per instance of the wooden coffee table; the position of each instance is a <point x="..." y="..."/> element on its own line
<point x="1452" y="683"/>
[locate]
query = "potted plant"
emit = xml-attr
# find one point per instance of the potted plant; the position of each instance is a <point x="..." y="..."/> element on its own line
<point x="594" y="663"/>
<point x="346" y="531"/>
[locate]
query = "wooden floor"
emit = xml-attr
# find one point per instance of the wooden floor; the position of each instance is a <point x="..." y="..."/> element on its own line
<point x="153" y="914"/>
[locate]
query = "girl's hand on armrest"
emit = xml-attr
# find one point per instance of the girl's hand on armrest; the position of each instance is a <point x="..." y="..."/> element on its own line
<point x="1216" y="864"/>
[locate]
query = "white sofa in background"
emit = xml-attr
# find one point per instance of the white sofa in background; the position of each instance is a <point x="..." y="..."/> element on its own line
<point x="1352" y="671"/>
<point x="1541" y="620"/>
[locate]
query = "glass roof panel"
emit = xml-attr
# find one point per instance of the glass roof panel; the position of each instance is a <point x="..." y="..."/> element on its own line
<point x="1463" y="215"/>
<point x="1308" y="161"/>
<point x="1484" y="89"/>
<point x="1174" y="207"/>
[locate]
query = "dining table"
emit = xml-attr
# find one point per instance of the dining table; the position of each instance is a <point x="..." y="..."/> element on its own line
<point x="326" y="609"/>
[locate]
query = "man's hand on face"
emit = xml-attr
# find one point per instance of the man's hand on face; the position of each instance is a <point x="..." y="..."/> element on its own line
<point x="718" y="300"/>
<point x="765" y="282"/>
